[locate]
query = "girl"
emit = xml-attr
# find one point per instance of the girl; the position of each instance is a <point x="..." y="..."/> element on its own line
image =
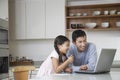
<point x="57" y="61"/>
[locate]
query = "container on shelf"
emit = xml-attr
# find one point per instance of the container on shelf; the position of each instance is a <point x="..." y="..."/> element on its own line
<point x="105" y="24"/>
<point x="118" y="24"/>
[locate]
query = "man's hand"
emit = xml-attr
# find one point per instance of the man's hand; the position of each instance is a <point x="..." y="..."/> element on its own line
<point x="83" y="67"/>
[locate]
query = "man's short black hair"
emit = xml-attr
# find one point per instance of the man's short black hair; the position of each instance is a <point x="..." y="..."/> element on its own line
<point x="78" y="33"/>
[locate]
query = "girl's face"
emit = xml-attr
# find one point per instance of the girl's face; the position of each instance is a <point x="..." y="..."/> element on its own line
<point x="64" y="47"/>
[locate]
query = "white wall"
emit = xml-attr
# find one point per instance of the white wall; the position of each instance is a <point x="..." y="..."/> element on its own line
<point x="4" y="9"/>
<point x="40" y="49"/>
<point x="32" y="49"/>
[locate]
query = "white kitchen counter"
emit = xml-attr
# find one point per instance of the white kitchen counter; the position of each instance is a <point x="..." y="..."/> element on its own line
<point x="113" y="75"/>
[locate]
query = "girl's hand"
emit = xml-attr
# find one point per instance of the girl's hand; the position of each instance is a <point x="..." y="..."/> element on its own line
<point x="70" y="59"/>
<point x="69" y="70"/>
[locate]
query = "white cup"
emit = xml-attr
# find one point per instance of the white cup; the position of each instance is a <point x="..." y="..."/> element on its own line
<point x="105" y="24"/>
<point x="78" y="14"/>
<point x="95" y="13"/>
<point x="112" y="12"/>
<point x="71" y="14"/>
<point x="118" y="13"/>
<point x="118" y="24"/>
<point x="106" y="12"/>
<point x="85" y="14"/>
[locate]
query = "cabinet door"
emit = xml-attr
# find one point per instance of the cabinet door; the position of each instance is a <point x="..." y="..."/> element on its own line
<point x="55" y="18"/>
<point x="35" y="19"/>
<point x="20" y="19"/>
<point x="4" y="9"/>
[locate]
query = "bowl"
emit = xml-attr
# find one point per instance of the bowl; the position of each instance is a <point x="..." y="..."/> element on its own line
<point x="118" y="13"/>
<point x="80" y="26"/>
<point x="71" y="14"/>
<point x="85" y="14"/>
<point x="112" y="12"/>
<point x="96" y="13"/>
<point x="90" y="25"/>
<point x="73" y="26"/>
<point x="118" y="24"/>
<point x="105" y="24"/>
<point x="78" y="14"/>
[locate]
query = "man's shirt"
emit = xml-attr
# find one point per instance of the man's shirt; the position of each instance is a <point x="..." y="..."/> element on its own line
<point x="87" y="57"/>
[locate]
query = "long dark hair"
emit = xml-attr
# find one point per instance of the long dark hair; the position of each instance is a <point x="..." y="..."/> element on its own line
<point x="59" y="40"/>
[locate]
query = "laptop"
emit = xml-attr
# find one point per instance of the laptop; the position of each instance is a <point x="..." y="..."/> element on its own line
<point x="103" y="63"/>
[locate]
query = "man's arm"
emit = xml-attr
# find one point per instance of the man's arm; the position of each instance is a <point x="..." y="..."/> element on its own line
<point x="92" y="58"/>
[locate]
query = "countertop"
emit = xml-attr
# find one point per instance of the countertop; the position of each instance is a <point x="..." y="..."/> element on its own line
<point x="113" y="75"/>
<point x="115" y="64"/>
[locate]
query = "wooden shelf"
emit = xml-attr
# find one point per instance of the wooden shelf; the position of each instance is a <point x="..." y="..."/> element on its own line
<point x="95" y="6"/>
<point x="95" y="29"/>
<point x="89" y="9"/>
<point x="100" y="16"/>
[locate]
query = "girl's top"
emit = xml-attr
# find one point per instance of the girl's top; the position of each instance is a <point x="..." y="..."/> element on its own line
<point x="46" y="67"/>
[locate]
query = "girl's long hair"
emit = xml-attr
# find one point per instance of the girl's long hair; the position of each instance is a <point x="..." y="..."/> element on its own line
<point x="59" y="40"/>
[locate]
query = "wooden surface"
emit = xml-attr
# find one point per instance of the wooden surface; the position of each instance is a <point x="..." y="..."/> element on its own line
<point x="100" y="16"/>
<point x="19" y="63"/>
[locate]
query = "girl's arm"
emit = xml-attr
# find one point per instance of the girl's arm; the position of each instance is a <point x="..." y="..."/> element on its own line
<point x="68" y="70"/>
<point x="58" y="68"/>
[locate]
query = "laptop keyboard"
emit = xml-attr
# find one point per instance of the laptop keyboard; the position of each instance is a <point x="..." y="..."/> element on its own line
<point x="85" y="71"/>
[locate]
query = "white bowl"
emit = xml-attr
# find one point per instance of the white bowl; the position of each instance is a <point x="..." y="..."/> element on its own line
<point x="90" y="25"/>
<point x="105" y="24"/>
<point x="118" y="24"/>
<point x="118" y="13"/>
<point x="95" y="13"/>
<point x="78" y="14"/>
<point x="112" y="12"/>
<point x="71" y="14"/>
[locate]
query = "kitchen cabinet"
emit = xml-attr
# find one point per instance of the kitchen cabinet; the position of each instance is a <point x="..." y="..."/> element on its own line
<point x="82" y="14"/>
<point x="4" y="9"/>
<point x="17" y="22"/>
<point x="38" y="19"/>
<point x="35" y="19"/>
<point x="20" y="22"/>
<point x="55" y="18"/>
<point x="29" y="19"/>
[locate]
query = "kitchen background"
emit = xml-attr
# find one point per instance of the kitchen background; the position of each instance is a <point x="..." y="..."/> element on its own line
<point x="39" y="49"/>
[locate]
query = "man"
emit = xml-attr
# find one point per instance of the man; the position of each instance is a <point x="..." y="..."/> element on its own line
<point x="85" y="54"/>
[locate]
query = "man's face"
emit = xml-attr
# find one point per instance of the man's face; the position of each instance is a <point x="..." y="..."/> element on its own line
<point x="81" y="43"/>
